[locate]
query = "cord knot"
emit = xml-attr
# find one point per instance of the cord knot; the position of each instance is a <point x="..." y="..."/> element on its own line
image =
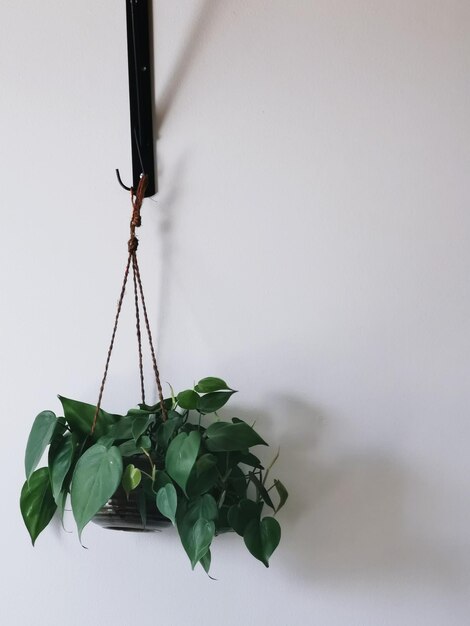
<point x="133" y="244"/>
<point x="136" y="220"/>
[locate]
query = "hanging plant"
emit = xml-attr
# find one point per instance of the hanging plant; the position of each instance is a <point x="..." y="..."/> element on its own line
<point x="171" y="463"/>
<point x="190" y="469"/>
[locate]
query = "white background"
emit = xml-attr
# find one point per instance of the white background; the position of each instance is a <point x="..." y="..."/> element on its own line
<point x="309" y="244"/>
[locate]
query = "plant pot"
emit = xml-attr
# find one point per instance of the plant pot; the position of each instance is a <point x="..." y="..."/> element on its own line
<point x="120" y="513"/>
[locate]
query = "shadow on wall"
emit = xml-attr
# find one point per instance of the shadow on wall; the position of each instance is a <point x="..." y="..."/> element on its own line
<point x="347" y="521"/>
<point x="189" y="52"/>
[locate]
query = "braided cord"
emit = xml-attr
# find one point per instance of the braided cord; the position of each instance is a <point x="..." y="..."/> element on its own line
<point x="133" y="243"/>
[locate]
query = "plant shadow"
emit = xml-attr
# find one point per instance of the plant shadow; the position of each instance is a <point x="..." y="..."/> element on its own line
<point x="348" y="517"/>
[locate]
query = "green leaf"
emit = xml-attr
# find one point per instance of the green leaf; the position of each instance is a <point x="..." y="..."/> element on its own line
<point x="241" y="514"/>
<point x="167" y="501"/>
<point x="200" y="540"/>
<point x="167" y="429"/>
<point x="131" y="447"/>
<point x="60" y="461"/>
<point x="261" y="490"/>
<point x="237" y="482"/>
<point x="157" y="408"/>
<point x="95" y="479"/>
<point x="205" y="561"/>
<point x="282" y="493"/>
<point x="181" y="456"/>
<point x="203" y="475"/>
<point x="205" y="506"/>
<point x="61" y="501"/>
<point x="161" y="479"/>
<point x="36" y="502"/>
<point x="131" y="478"/>
<point x="209" y="384"/>
<point x="262" y="538"/>
<point x="59" y="430"/>
<point x="38" y="440"/>
<point x="122" y="429"/>
<point x="80" y="416"/>
<point x="251" y="460"/>
<point x="187" y="399"/>
<point x="137" y="412"/>
<point x="226" y="437"/>
<point x="212" y="402"/>
<point x="140" y="425"/>
<point x="107" y="441"/>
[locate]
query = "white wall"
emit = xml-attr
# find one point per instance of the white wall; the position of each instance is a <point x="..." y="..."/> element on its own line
<point x="309" y="244"/>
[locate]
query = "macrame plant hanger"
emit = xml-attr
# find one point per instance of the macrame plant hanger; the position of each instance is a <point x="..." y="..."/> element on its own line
<point x="136" y="199"/>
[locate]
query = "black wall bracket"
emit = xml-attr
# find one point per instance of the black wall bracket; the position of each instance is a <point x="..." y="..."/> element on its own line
<point x="140" y="94"/>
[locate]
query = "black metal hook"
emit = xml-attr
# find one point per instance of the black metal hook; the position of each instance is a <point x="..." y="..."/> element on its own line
<point x="118" y="175"/>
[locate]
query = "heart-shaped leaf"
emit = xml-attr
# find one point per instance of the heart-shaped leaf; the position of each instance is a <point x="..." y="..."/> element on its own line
<point x="140" y="424"/>
<point x="205" y="506"/>
<point x="167" y="501"/>
<point x="131" y="447"/>
<point x="200" y="540"/>
<point x="203" y="476"/>
<point x="95" y="479"/>
<point x="166" y="430"/>
<point x="80" y="416"/>
<point x="181" y="456"/>
<point x="241" y="514"/>
<point x="38" y="440"/>
<point x="226" y="437"/>
<point x="36" y="502"/>
<point x="131" y="478"/>
<point x="187" y="399"/>
<point x="60" y="461"/>
<point x="211" y="402"/>
<point x="262" y="538"/>
<point x="209" y="384"/>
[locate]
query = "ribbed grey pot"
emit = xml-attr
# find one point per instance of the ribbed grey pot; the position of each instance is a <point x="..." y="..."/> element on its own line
<point x="119" y="513"/>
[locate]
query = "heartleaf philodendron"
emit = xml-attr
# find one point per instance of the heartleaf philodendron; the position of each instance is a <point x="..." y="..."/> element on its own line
<point x="167" y="502"/>
<point x="38" y="440"/>
<point x="60" y="461"/>
<point x="225" y="437"/>
<point x="95" y="479"/>
<point x="210" y="384"/>
<point x="181" y="465"/>
<point x="131" y="478"/>
<point x="36" y="502"/>
<point x="80" y="416"/>
<point x="181" y="456"/>
<point x="262" y="538"/>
